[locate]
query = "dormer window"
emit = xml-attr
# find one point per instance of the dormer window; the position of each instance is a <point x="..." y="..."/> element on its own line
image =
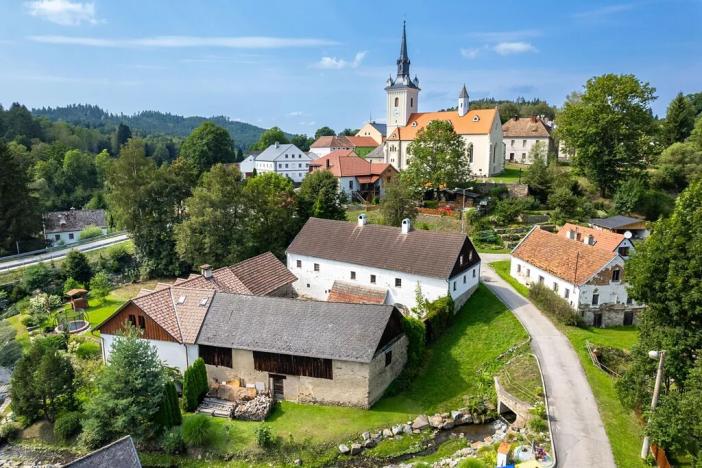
<point x="476" y="118"/>
<point x="414" y="124"/>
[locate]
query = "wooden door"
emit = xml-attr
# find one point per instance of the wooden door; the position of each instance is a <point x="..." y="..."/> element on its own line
<point x="597" y="319"/>
<point x="278" y="388"/>
<point x="628" y="317"/>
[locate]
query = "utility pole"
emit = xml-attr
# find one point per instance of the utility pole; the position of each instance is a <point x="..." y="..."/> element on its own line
<point x="660" y="355"/>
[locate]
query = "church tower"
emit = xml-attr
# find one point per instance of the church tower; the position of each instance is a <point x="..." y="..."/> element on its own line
<point x="463" y="105"/>
<point x="402" y="92"/>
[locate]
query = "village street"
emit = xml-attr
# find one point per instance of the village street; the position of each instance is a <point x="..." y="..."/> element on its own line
<point x="578" y="432"/>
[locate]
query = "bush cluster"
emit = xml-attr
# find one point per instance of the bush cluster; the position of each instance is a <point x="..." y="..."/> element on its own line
<point x="264" y="436"/>
<point x="172" y="441"/>
<point x="67" y="426"/>
<point x="198" y="430"/>
<point x="553" y="305"/>
<point x="438" y="317"/>
<point x="9" y="431"/>
<point x="88" y="350"/>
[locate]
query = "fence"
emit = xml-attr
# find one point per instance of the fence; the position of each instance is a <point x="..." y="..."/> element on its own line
<point x="660" y="457"/>
<point x="596" y="362"/>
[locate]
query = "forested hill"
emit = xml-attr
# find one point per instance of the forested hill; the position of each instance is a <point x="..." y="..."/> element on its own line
<point x="149" y="122"/>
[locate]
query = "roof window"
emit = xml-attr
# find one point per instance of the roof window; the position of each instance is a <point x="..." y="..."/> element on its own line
<point x="203" y="301"/>
<point x="476" y="118"/>
<point x="181" y="300"/>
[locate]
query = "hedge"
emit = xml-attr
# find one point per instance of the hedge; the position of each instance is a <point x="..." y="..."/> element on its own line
<point x="416" y="336"/>
<point x="439" y="317"/>
<point x="553" y="305"/>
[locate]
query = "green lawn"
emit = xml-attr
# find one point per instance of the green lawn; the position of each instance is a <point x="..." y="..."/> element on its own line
<point x="459" y="364"/>
<point x="510" y="175"/>
<point x="622" y="426"/>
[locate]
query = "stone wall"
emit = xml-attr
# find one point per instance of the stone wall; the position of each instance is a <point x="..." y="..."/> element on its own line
<point x="612" y="314"/>
<point x="507" y="401"/>
<point x="514" y="190"/>
<point x="380" y="376"/>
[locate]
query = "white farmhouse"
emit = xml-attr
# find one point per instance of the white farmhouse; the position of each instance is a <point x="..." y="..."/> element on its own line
<point x="521" y="134"/>
<point x="287" y="160"/>
<point x="588" y="276"/>
<point x="391" y="262"/>
<point x="481" y="129"/>
<point x="64" y="227"/>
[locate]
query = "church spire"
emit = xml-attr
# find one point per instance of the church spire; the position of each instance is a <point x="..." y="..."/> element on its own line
<point x="403" y="63"/>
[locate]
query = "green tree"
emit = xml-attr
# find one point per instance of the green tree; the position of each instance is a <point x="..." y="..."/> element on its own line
<point x="610" y="127"/>
<point x="19" y="210"/>
<point x="324" y="131"/>
<point x="195" y="385"/>
<point x="121" y="136"/>
<point x="213" y="230"/>
<point x="76" y="266"/>
<point x="679" y="120"/>
<point x="271" y="222"/>
<point x="270" y="137"/>
<point x="438" y="158"/>
<point x="169" y="410"/>
<point x="319" y="196"/>
<point x="538" y="177"/>
<point x="207" y="145"/>
<point x="302" y="141"/>
<point x="678" y="165"/>
<point x="399" y="202"/>
<point x="349" y="132"/>
<point x="677" y="422"/>
<point x="129" y="393"/>
<point x="147" y="201"/>
<point x="42" y="382"/>
<point x="70" y="283"/>
<point x="664" y="274"/>
<point x="100" y="286"/>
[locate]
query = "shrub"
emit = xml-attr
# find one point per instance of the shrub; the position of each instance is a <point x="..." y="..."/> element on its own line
<point x="487" y="236"/>
<point x="70" y="283"/>
<point x="415" y="331"/>
<point x="10" y="353"/>
<point x="553" y="305"/>
<point x="88" y="350"/>
<point x="431" y="203"/>
<point x="264" y="437"/>
<point x="172" y="441"/>
<point x="76" y="266"/>
<point x="195" y="385"/>
<point x="40" y="276"/>
<point x="67" y="426"/>
<point x="198" y="430"/>
<point x="89" y="232"/>
<point x="438" y="317"/>
<point x="29" y="321"/>
<point x="537" y="424"/>
<point x="471" y="463"/>
<point x="169" y="412"/>
<point x="9" y="431"/>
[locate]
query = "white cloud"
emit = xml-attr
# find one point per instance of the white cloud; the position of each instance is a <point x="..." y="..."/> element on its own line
<point x="63" y="12"/>
<point x="604" y="11"/>
<point x="470" y="53"/>
<point x="508" y="48"/>
<point x="295" y="114"/>
<point x="333" y="63"/>
<point x="241" y="42"/>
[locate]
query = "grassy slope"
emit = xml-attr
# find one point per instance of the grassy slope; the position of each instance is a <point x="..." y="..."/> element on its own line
<point x="622" y="426"/>
<point x="483" y="330"/>
<point x="510" y="175"/>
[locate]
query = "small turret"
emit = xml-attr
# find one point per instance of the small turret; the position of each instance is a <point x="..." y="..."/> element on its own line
<point x="463" y="104"/>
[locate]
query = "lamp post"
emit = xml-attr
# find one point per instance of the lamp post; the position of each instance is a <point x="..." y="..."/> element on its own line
<point x="660" y="355"/>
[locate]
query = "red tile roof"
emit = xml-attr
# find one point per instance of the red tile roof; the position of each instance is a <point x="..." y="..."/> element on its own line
<point x="347" y="292"/>
<point x="567" y="259"/>
<point x="263" y="274"/>
<point x="344" y="142"/>
<point x="525" y="127"/>
<point x="475" y="122"/>
<point x="345" y="163"/>
<point x="603" y="239"/>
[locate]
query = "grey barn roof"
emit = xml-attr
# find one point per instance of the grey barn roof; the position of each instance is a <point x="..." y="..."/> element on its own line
<point x="119" y="454"/>
<point x="272" y="152"/>
<point x="614" y="222"/>
<point x="73" y="220"/>
<point x="424" y="253"/>
<point x="341" y="331"/>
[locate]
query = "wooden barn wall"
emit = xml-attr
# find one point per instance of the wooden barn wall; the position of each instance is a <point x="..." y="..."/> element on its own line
<point x="153" y="330"/>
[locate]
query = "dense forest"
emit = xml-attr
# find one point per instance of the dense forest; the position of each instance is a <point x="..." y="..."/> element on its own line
<point x="149" y="122"/>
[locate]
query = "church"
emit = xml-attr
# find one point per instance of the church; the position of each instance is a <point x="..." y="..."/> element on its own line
<point x="481" y="129"/>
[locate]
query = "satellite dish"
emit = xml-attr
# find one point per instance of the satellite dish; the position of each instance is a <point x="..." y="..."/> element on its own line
<point x="627" y="235"/>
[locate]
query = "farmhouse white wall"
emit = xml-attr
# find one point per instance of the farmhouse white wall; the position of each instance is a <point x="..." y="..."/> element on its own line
<point x="170" y="353"/>
<point x="320" y="282"/>
<point x="518" y="148"/>
<point x="64" y="238"/>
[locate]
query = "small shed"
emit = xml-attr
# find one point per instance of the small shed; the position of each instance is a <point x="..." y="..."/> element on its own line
<point x="78" y="298"/>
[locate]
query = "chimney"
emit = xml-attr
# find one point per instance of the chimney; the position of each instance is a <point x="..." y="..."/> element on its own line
<point x="515" y="117"/>
<point x="362" y="219"/>
<point x="327" y="163"/>
<point x="533" y="118"/>
<point x="277" y="144"/>
<point x="206" y="271"/>
<point x="406" y="226"/>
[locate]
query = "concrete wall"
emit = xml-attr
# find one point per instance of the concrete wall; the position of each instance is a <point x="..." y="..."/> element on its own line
<point x="170" y="353"/>
<point x="353" y="383"/>
<point x="320" y="282"/>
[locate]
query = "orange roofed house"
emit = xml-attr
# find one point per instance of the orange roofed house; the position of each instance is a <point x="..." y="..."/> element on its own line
<point x="357" y="176"/>
<point x="481" y="129"/>
<point x="584" y="267"/>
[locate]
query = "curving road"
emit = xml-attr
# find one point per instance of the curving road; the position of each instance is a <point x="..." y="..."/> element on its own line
<point x="580" y="438"/>
<point x="59" y="254"/>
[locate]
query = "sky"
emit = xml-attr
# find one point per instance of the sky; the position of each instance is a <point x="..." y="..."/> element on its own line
<point x="304" y="64"/>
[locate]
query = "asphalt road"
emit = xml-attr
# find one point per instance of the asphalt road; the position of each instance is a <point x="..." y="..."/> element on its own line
<point x="59" y="254"/>
<point x="579" y="435"/>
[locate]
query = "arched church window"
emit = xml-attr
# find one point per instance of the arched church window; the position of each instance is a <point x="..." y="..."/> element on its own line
<point x="411" y="102"/>
<point x="469" y="152"/>
<point x="397" y="102"/>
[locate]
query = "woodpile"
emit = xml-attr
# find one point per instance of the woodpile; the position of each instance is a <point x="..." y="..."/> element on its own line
<point x="254" y="410"/>
<point x="217" y="407"/>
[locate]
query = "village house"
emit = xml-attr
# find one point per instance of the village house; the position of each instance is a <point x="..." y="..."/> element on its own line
<point x="390" y="261"/>
<point x="481" y="129"/>
<point x="64" y="227"/>
<point x="358" y="178"/>
<point x="589" y="276"/>
<point x="621" y="244"/>
<point x="304" y="351"/>
<point x="521" y="134"/>
<point x="622" y="224"/>
<point x="361" y="145"/>
<point x="170" y="315"/>
<point x="373" y="129"/>
<point x="287" y="160"/>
